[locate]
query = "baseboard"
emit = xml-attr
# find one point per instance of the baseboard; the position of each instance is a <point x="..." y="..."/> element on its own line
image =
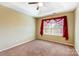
<point x="59" y="42"/>
<point x="16" y="45"/>
<point x="77" y="51"/>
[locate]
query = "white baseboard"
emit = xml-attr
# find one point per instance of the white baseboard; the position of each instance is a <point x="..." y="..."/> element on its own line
<point x="59" y="42"/>
<point x="16" y="45"/>
<point x="77" y="51"/>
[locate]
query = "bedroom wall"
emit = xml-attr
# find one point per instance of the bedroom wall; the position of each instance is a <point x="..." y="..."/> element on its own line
<point x="77" y="30"/>
<point x="70" y="41"/>
<point x="15" y="28"/>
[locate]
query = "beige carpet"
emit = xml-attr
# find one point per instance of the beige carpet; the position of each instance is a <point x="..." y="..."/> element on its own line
<point x="40" y="48"/>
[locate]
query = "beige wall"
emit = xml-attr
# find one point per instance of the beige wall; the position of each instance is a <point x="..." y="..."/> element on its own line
<point x="70" y="16"/>
<point x="77" y="30"/>
<point x="15" y="28"/>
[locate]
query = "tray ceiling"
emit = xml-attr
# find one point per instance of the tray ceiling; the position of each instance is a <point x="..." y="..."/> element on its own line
<point x="47" y="8"/>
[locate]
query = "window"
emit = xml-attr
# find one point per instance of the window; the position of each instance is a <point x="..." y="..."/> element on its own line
<point x="53" y="27"/>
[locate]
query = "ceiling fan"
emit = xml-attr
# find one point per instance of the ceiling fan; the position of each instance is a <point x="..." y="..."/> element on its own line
<point x="38" y="3"/>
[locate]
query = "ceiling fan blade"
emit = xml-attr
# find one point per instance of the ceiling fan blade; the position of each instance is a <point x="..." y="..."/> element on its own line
<point x="33" y="3"/>
<point x="38" y="8"/>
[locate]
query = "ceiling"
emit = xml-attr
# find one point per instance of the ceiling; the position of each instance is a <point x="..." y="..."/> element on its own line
<point x="48" y="8"/>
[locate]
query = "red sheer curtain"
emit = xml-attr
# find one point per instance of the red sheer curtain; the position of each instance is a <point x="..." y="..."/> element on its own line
<point x="65" y="26"/>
